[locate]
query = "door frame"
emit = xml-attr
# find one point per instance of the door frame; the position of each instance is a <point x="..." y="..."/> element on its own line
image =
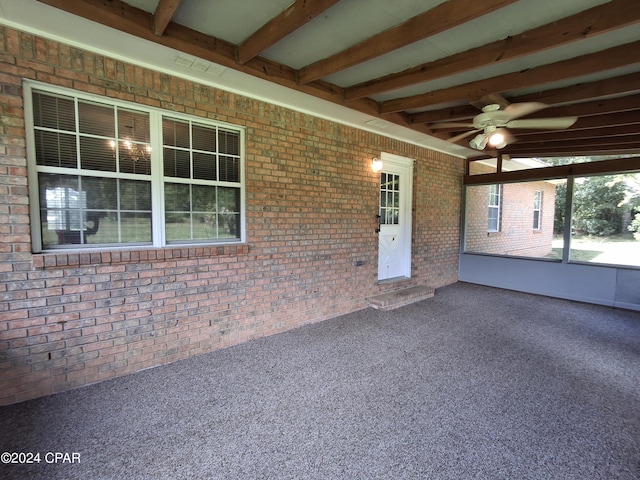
<point x="404" y="167"/>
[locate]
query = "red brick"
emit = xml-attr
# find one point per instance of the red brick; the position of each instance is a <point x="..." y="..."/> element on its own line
<point x="121" y="310"/>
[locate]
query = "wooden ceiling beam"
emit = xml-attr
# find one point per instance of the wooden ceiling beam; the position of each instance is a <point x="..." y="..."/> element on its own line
<point x="292" y="18"/>
<point x="629" y="143"/>
<point x="592" y="22"/>
<point x="564" y="135"/>
<point x="558" y="150"/>
<point x="617" y="165"/>
<point x="594" y="122"/>
<point x="125" y="18"/>
<point x="460" y="113"/>
<point x="163" y="15"/>
<point x="615" y="57"/>
<point x="622" y="85"/>
<point x="604" y="106"/>
<point x="440" y="18"/>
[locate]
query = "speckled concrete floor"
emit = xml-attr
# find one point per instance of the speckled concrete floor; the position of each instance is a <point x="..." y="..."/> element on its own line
<point x="473" y="383"/>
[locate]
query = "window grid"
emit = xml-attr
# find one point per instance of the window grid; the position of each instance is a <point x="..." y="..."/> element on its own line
<point x="389" y="199"/>
<point x="208" y="157"/>
<point x="92" y="177"/>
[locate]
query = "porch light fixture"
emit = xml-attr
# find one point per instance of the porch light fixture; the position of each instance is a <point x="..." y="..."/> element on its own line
<point x="376" y="164"/>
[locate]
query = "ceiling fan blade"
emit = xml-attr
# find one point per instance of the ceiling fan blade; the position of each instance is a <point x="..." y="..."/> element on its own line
<point x="517" y="110"/>
<point x="457" y="138"/>
<point x="557" y="123"/>
<point x="451" y="125"/>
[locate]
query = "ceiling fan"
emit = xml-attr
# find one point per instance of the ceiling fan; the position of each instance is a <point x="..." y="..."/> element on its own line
<point x="494" y="121"/>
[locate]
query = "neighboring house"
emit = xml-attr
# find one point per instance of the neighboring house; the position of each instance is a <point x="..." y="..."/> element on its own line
<point x="219" y="218"/>
<point x="510" y="219"/>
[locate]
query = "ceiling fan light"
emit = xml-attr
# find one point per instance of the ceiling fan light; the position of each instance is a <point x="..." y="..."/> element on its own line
<point x="496" y="139"/>
<point x="479" y="141"/>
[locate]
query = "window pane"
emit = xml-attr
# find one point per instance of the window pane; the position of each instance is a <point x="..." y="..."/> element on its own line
<point x="136" y="227"/>
<point x="229" y="142"/>
<point x="215" y="212"/>
<point x="134" y="158"/>
<point x="204" y="198"/>
<point x="177" y="226"/>
<point x="204" y="166"/>
<point x="506" y="229"/>
<point x="177" y="163"/>
<point x="229" y="169"/>
<point x="228" y="225"/>
<point x="175" y="134"/>
<point x="536" y="219"/>
<point x="228" y="200"/>
<point x="95" y="154"/>
<point x="135" y="195"/>
<point x="133" y="126"/>
<point x="606" y="220"/>
<point x="204" y="138"/>
<point x="102" y="193"/>
<point x="177" y="197"/>
<point x="96" y="119"/>
<point x="55" y="149"/>
<point x="59" y="197"/>
<point x="494" y="220"/>
<point x="55" y="112"/>
<point x="93" y="210"/>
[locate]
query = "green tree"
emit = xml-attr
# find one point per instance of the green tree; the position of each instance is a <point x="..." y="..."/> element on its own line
<point x="598" y="205"/>
<point x="635" y="224"/>
<point x="560" y="212"/>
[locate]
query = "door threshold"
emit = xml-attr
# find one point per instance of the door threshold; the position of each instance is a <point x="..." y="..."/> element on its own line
<point x="387" y="281"/>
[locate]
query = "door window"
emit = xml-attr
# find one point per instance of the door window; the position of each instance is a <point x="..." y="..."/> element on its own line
<point x="389" y="199"/>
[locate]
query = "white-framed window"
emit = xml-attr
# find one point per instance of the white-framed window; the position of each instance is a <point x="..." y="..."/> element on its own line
<point x="495" y="205"/>
<point x="108" y="173"/>
<point x="537" y="210"/>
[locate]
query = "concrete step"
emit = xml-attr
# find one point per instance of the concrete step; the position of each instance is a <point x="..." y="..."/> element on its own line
<point x="400" y="298"/>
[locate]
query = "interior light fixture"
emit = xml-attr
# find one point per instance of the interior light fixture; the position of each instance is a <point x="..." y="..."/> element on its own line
<point x="376" y="164"/>
<point x="135" y="151"/>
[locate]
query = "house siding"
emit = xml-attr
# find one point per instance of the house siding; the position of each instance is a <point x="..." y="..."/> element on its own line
<point x="69" y="319"/>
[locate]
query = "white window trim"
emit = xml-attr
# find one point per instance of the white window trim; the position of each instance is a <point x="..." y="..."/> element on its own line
<point x="537" y="200"/>
<point x="497" y="207"/>
<point x="157" y="173"/>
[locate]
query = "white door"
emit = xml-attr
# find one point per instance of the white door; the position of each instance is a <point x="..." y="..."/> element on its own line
<point x="394" y="243"/>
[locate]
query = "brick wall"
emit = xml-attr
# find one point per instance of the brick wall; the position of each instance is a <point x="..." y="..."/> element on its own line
<point x="71" y="319"/>
<point x="516" y="236"/>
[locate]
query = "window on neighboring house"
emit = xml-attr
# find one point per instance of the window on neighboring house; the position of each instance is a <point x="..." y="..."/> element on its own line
<point x="108" y="173"/>
<point x="495" y="202"/>
<point x="537" y="210"/>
